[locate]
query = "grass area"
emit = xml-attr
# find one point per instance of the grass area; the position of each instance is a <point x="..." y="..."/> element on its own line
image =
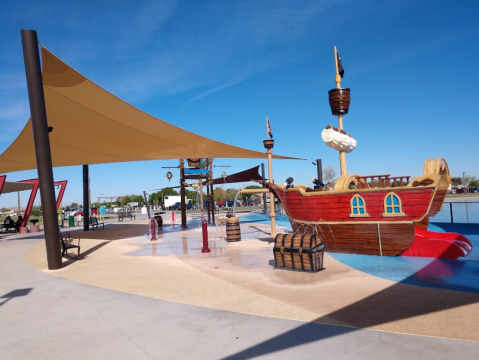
<point x="15" y="218"/>
<point x="40" y="222"/>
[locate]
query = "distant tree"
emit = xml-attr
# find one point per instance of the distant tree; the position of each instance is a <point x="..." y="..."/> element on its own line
<point x="456" y="181"/>
<point x="153" y="198"/>
<point x="157" y="197"/>
<point x="231" y="193"/>
<point x="192" y="195"/>
<point x="248" y="196"/>
<point x="169" y="192"/>
<point x="329" y="174"/>
<point x="4" y="210"/>
<point x="139" y="199"/>
<point x="219" y="194"/>
<point x="126" y="199"/>
<point x="36" y="211"/>
<point x="474" y="183"/>
<point x="468" y="179"/>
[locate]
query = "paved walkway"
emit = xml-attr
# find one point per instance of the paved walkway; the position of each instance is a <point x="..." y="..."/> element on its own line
<point x="43" y="316"/>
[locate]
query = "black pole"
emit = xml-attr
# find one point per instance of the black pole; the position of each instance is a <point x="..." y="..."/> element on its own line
<point x="320" y="170"/>
<point x="183" y="194"/>
<point x="42" y="147"/>
<point x="212" y="193"/>
<point x="208" y="197"/>
<point x="450" y="208"/>
<point x="86" y="200"/>
<point x="264" y="194"/>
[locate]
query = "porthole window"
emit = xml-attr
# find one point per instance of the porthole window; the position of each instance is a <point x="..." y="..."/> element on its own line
<point x="392" y="205"/>
<point x="358" y="207"/>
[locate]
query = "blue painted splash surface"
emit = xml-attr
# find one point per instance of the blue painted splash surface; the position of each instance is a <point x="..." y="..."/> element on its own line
<point x="281" y="220"/>
<point x="457" y="275"/>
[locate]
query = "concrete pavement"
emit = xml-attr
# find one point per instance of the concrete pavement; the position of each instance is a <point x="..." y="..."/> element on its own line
<point x="47" y="317"/>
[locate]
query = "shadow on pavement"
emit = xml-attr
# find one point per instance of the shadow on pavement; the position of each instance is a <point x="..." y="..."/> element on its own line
<point x="15" y="293"/>
<point x="397" y="302"/>
<point x="83" y="255"/>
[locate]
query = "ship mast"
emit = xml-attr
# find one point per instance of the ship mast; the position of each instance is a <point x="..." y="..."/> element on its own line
<point x="342" y="154"/>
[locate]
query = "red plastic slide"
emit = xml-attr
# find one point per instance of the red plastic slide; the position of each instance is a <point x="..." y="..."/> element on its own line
<point x="438" y="245"/>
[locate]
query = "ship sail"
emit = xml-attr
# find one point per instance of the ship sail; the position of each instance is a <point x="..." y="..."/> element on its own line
<point x="338" y="139"/>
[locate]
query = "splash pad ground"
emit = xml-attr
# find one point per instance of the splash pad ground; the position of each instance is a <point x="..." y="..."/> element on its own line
<point x="240" y="277"/>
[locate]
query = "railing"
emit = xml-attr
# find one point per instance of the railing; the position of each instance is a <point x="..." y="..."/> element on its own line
<point x="369" y="181"/>
<point x="399" y="179"/>
<point x="460" y="212"/>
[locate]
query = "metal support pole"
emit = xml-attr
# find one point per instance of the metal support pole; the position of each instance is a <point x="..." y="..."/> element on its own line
<point x="319" y="164"/>
<point x="212" y="205"/>
<point x="212" y="193"/>
<point x="208" y="192"/>
<point x="42" y="147"/>
<point x="208" y="197"/>
<point x="201" y="202"/>
<point x="450" y="208"/>
<point x="86" y="199"/>
<point x="182" y="194"/>
<point x="265" y="205"/>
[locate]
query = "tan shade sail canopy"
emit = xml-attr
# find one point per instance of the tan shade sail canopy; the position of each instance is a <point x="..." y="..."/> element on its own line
<point x="11" y="186"/>
<point x="92" y="126"/>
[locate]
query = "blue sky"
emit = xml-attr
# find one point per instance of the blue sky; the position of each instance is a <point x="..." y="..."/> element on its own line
<point x="218" y="68"/>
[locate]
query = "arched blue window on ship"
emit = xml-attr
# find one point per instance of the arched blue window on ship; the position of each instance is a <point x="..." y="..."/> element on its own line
<point x="358" y="207"/>
<point x="392" y="205"/>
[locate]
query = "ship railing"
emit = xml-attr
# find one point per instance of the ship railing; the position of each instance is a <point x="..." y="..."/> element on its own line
<point x="397" y="181"/>
<point x="381" y="181"/>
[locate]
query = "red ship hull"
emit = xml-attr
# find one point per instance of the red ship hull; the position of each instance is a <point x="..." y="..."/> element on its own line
<point x="330" y="215"/>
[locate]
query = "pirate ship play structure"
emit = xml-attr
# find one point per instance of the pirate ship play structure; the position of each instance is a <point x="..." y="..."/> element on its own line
<point x="374" y="214"/>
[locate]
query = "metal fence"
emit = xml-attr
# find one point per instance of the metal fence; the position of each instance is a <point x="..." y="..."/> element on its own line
<point x="461" y="212"/>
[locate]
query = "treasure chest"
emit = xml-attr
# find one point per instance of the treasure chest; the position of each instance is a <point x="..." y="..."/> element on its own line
<point x="302" y="252"/>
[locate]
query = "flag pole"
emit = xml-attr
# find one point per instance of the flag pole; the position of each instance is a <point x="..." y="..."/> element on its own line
<point x="268" y="144"/>
<point x="267" y="130"/>
<point x="337" y="79"/>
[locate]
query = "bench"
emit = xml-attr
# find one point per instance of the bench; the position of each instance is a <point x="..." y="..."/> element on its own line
<point x="66" y="243"/>
<point x="122" y="215"/>
<point x="94" y="222"/>
<point x="9" y="228"/>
